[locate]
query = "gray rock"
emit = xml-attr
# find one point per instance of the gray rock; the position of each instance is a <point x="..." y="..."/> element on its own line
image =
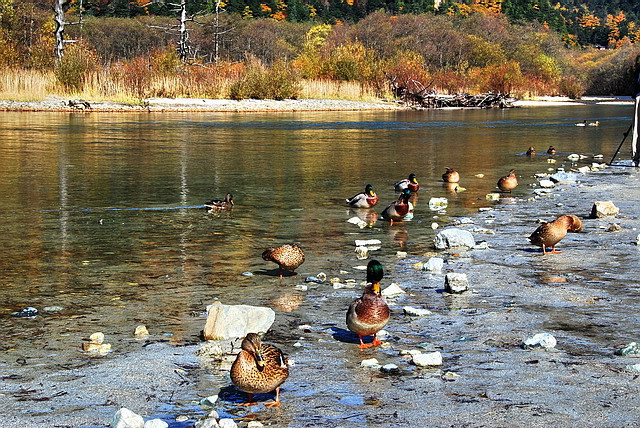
<point x="564" y="177"/>
<point x="630" y="350"/>
<point x="434" y="264"/>
<point x="429" y="359"/>
<point x="231" y="321"/>
<point x="540" y="341"/>
<point x="546" y="184"/>
<point x="452" y="237"/>
<point x="456" y="282"/>
<point x="125" y="418"/>
<point x="634" y="368"/>
<point x="156" y="423"/>
<point x="254" y="424"/>
<point x="209" y="401"/>
<point x="370" y="363"/>
<point x="389" y="368"/>
<point x="313" y="279"/>
<point x="604" y="209"/>
<point x="217" y="349"/>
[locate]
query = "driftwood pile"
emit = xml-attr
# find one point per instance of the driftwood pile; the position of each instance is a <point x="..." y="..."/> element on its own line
<point x="419" y="96"/>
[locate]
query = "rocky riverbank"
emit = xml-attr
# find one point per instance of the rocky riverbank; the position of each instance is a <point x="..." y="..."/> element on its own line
<point x="584" y="297"/>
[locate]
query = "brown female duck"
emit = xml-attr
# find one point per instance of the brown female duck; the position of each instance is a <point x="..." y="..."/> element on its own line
<point x="218" y="205"/>
<point x="366" y="199"/>
<point x="508" y="182"/>
<point x="451" y="176"/>
<point x="551" y="150"/>
<point x="370" y="313"/>
<point x="287" y="256"/>
<point x="259" y="368"/>
<point x="531" y="151"/>
<point x="549" y="234"/>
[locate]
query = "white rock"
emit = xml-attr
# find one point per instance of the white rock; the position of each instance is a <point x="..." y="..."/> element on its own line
<point x="437" y="204"/>
<point x="382" y="334"/>
<point x="416" y="312"/>
<point x="426" y="360"/>
<point x="638" y="240"/>
<point x="434" y="264"/>
<point x="209" y="401"/>
<point x="156" y="423"/>
<point x="604" y="209"/>
<point x="206" y="423"/>
<point x="492" y="196"/>
<point x="227" y="423"/>
<point x="371" y="362"/>
<point x="540" y="192"/>
<point x="231" y="321"/>
<point x="97" y="338"/>
<point x="301" y="287"/>
<point x="434" y="225"/>
<point x="452" y="237"/>
<point x="362" y="253"/>
<point x="573" y="157"/>
<point x="254" y="424"/>
<point x="401" y="254"/>
<point x="410" y="352"/>
<point x="214" y="414"/>
<point x="584" y="169"/>
<point x="393" y="290"/>
<point x="141" y="330"/>
<point x="125" y="418"/>
<point x="360" y="223"/>
<point x="547" y="184"/>
<point x="339" y="285"/>
<point x="456" y="282"/>
<point x="540" y="340"/>
<point x="367" y="242"/>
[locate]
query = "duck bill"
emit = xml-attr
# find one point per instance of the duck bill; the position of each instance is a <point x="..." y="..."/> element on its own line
<point x="259" y="360"/>
<point x="376" y="287"/>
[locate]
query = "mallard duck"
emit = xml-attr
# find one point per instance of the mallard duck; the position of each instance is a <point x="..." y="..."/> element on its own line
<point x="596" y="123"/>
<point x="549" y="234"/>
<point x="366" y="199"/>
<point x="551" y="150"/>
<point x="531" y="151"/>
<point x="217" y="204"/>
<point x="259" y="368"/>
<point x="508" y="182"/>
<point x="583" y="123"/>
<point x="408" y="183"/>
<point x="450" y="176"/>
<point x="398" y="210"/>
<point x="370" y="313"/>
<point x="287" y="256"/>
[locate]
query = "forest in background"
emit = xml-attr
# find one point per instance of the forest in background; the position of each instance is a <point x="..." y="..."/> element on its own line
<point x="127" y="50"/>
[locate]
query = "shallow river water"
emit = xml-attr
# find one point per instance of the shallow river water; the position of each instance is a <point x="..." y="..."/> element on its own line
<point x="103" y="226"/>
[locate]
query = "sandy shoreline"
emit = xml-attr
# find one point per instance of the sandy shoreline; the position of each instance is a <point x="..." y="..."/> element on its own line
<point x="219" y="105"/>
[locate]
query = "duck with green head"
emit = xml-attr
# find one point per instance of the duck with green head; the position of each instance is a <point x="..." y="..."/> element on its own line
<point x="398" y="210"/>
<point x="259" y="368"/>
<point x="366" y="199"/>
<point x="368" y="314"/>
<point x="410" y="183"/>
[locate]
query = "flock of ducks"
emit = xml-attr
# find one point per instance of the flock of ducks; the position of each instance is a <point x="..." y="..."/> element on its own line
<point x="263" y="368"/>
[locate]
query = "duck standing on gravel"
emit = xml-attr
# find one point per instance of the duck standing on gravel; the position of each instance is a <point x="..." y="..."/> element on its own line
<point x="258" y="369"/>
<point x="508" y="182"/>
<point x="451" y="176"/>
<point x="410" y="183"/>
<point x="549" y="234"/>
<point x="368" y="314"/>
<point x="287" y="256"/>
<point x="366" y="199"/>
<point x="219" y="205"/>
<point x="398" y="210"/>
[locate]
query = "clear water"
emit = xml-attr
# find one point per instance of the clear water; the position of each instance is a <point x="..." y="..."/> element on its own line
<point x="101" y="213"/>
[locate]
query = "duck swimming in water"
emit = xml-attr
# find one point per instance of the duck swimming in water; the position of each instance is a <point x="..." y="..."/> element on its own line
<point x="218" y="205"/>
<point x="531" y="151"/>
<point x="549" y="234"/>
<point x="398" y="210"/>
<point x="551" y="150"/>
<point x="410" y="183"/>
<point x="451" y="176"/>
<point x="366" y="199"/>
<point x="368" y="314"/>
<point x="259" y="368"/>
<point x="508" y="182"/>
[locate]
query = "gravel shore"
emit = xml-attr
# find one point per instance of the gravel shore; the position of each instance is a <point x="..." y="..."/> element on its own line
<point x="585" y="297"/>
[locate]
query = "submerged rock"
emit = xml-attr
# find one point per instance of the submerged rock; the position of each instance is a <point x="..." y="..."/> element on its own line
<point x="125" y="418"/>
<point x="540" y="341"/>
<point x="437" y="204"/>
<point x="207" y="423"/>
<point x="416" y="312"/>
<point x="390" y="368"/>
<point x="604" y="209"/>
<point x="451" y="238"/>
<point x="156" y="423"/>
<point x="26" y="313"/>
<point x="456" y="282"/>
<point x="232" y="321"/>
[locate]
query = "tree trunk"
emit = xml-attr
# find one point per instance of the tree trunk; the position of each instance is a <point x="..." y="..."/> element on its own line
<point x="58" y="10"/>
<point x="183" y="49"/>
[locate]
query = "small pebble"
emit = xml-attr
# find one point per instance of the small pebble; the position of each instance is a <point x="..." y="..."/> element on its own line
<point x="301" y="287"/>
<point x="26" y="313"/>
<point x="390" y="368"/>
<point x="372" y="362"/>
<point x="247" y="274"/>
<point x="426" y="360"/>
<point x="416" y="312"/>
<point x="540" y="341"/>
<point x="182" y="418"/>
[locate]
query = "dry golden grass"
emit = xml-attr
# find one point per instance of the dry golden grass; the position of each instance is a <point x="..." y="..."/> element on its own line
<point x="26" y="85"/>
<point x="336" y="90"/>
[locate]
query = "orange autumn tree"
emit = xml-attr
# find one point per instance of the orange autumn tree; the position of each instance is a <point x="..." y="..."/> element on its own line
<point x="613" y="25"/>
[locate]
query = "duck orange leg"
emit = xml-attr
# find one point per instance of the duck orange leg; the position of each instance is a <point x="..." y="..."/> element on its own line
<point x="376" y="342"/>
<point x="364" y="345"/>
<point x="277" y="402"/>
<point x="250" y="402"/>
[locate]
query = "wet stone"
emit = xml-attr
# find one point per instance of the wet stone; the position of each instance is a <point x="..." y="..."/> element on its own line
<point x="227" y="423"/>
<point x="370" y="363"/>
<point x="247" y="274"/>
<point x="313" y="279"/>
<point x="231" y="321"/>
<point x="456" y="282"/>
<point x="156" y="423"/>
<point x="428" y="359"/>
<point x="206" y="423"/>
<point x="630" y="350"/>
<point x="393" y="290"/>
<point x="540" y="341"/>
<point x="390" y="368"/>
<point x="452" y="238"/>
<point x="434" y="264"/>
<point x="416" y="312"/>
<point x="26" y="313"/>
